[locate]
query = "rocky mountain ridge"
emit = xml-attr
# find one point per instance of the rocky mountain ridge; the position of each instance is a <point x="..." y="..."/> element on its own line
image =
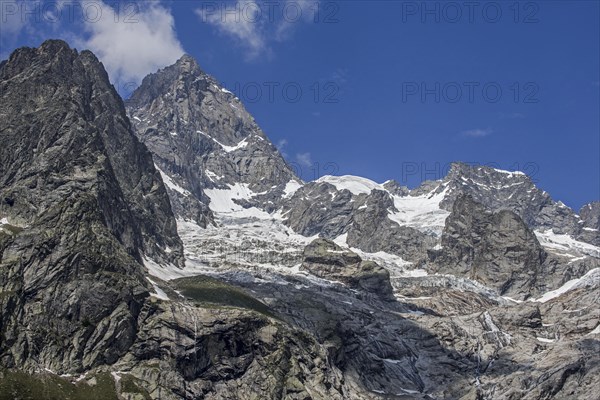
<point x="476" y="286"/>
<point x="211" y="141"/>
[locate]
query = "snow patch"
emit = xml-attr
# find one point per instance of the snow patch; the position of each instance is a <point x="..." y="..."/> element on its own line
<point x="341" y="240"/>
<point x="170" y="183"/>
<point x="545" y="340"/>
<point x="421" y="212"/>
<point x="566" y="245"/>
<point x="489" y="322"/>
<point x="212" y="176"/>
<point x="355" y="184"/>
<point x="415" y="273"/>
<point x="116" y="376"/>
<point x="388" y="360"/>
<point x="169" y="272"/>
<point x="291" y="187"/>
<point x="229" y="149"/>
<point x="158" y="292"/>
<point x="509" y="173"/>
<point x="590" y="279"/>
<point x="596" y="331"/>
<point x="222" y="201"/>
<point x="511" y="299"/>
<point x="408" y="391"/>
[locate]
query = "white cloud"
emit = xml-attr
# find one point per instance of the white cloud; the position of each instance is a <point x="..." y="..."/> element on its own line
<point x="131" y="43"/>
<point x="253" y="24"/>
<point x="294" y="12"/>
<point x="241" y="22"/>
<point x="476" y="133"/>
<point x="304" y="159"/>
<point x="281" y="146"/>
<point x="14" y="19"/>
<point x="133" y="40"/>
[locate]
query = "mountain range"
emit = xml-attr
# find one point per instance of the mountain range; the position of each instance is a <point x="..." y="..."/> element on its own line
<point x="162" y="248"/>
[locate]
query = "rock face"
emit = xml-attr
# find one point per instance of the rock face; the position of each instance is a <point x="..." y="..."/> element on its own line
<point x="514" y="191"/>
<point x="320" y="208"/>
<point x="590" y="215"/>
<point x="215" y="159"/>
<point x="326" y="259"/>
<point x="65" y="131"/>
<point x="373" y="231"/>
<point x="496" y="249"/>
<point x="184" y="351"/>
<point x="448" y="343"/>
<point x="86" y="206"/>
<point x="202" y="138"/>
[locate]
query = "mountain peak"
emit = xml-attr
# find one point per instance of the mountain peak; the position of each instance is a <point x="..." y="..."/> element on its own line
<point x="188" y="63"/>
<point x="56" y="45"/>
<point x="217" y="143"/>
<point x="462" y="168"/>
<point x="51" y="52"/>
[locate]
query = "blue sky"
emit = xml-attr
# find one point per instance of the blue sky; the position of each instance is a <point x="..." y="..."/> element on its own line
<point x="389" y="89"/>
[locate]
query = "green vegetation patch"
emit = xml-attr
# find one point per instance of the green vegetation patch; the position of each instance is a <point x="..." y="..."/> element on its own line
<point x="130" y="384"/>
<point x="16" y="385"/>
<point x="11" y="229"/>
<point x="203" y="289"/>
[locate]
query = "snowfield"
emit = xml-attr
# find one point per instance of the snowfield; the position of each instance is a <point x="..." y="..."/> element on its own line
<point x="354" y="184"/>
<point x="591" y="279"/>
<point x="565" y="244"/>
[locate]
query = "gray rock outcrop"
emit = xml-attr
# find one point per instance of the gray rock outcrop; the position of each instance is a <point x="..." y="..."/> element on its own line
<point x="496" y="249"/>
<point x="87" y="207"/>
<point x="325" y="259"/>
<point x="590" y="215"/>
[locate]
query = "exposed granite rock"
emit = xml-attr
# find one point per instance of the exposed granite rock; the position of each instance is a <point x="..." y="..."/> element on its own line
<point x="326" y="259"/>
<point x="88" y="205"/>
<point x="496" y="249"/>
<point x="318" y="208"/>
<point x="514" y="191"/>
<point x="219" y="353"/>
<point x="65" y="131"/>
<point x="590" y="215"/>
<point x="395" y="188"/>
<point x="372" y="230"/>
<point x="482" y="349"/>
<point x="202" y="138"/>
<point x="75" y="230"/>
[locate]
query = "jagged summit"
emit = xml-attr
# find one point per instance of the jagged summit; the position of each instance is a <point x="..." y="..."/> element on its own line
<point x="188" y="63"/>
<point x="203" y="139"/>
<point x="50" y="46"/>
<point x="74" y="102"/>
<point x="333" y="289"/>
